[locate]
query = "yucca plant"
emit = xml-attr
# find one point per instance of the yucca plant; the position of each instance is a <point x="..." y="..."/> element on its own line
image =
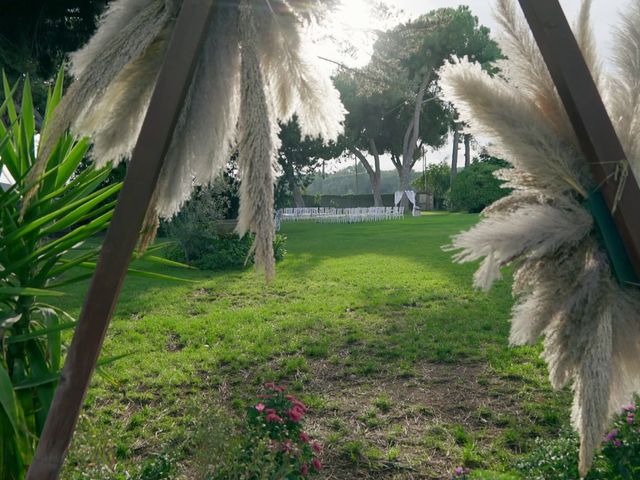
<point x="41" y="249"/>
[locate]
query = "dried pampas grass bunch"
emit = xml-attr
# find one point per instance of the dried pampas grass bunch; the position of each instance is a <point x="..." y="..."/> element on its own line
<point x="254" y="70"/>
<point x="563" y="282"/>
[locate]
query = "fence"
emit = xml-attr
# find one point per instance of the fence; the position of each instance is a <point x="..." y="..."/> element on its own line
<point x="346" y="201"/>
<point x="339" y="215"/>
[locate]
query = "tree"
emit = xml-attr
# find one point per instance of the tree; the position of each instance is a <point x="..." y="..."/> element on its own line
<point x="362" y="127"/>
<point x="406" y="60"/>
<point x="437" y="178"/>
<point x="37" y="34"/>
<point x="476" y="187"/>
<point x="467" y="149"/>
<point x="300" y="157"/>
<point x="454" y="153"/>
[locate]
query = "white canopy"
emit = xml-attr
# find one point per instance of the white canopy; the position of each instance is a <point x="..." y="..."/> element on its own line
<point x="411" y="196"/>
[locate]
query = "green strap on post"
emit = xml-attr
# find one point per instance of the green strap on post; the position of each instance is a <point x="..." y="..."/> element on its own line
<point x="611" y="240"/>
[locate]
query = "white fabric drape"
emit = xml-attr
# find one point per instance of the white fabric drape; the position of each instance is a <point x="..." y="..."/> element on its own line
<point x="411" y="196"/>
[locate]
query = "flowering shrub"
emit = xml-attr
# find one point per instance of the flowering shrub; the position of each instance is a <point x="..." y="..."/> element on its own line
<point x="622" y="445"/>
<point x="276" y="418"/>
<point x="269" y="442"/>
<point x="619" y="458"/>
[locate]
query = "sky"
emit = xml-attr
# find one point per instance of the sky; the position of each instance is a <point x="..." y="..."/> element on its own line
<point x="604" y="15"/>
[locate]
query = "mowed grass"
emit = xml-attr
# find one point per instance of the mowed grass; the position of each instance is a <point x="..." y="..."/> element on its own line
<point x="405" y="365"/>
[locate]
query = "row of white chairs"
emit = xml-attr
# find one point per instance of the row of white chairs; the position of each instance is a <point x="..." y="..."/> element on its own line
<point x="340" y="215"/>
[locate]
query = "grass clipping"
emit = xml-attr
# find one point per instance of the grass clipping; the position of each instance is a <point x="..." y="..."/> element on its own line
<point x="563" y="281"/>
<point x="254" y="69"/>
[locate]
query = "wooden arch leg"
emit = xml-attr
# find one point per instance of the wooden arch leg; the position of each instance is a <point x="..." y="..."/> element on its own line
<point x="142" y="176"/>
<point x="596" y="134"/>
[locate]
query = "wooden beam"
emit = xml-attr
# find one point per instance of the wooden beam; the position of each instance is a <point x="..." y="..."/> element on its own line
<point x="146" y="162"/>
<point x="588" y="116"/>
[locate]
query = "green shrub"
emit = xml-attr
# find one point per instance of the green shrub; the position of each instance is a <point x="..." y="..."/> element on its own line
<point x="36" y="236"/>
<point x="269" y="443"/>
<point x="222" y="251"/>
<point x="438" y="182"/>
<point x="476" y="187"/>
<point x="554" y="459"/>
<point x="197" y="222"/>
<point x="619" y="458"/>
<point x="621" y="448"/>
<point x="197" y="229"/>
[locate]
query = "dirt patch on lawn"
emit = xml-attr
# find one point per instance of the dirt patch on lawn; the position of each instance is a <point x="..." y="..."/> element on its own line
<point x="381" y="426"/>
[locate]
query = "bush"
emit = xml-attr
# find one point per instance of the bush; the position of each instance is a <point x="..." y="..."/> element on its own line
<point x="552" y="459"/>
<point x="438" y="181"/>
<point x="221" y="251"/>
<point x="201" y="242"/>
<point x="197" y="221"/>
<point x="619" y="458"/>
<point x="271" y="443"/>
<point x="476" y="187"/>
<point x="621" y="447"/>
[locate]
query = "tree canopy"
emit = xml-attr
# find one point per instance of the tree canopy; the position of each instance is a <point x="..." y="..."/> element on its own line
<point x="437" y="179"/>
<point x="35" y="36"/>
<point x="299" y="157"/>
<point x="393" y="102"/>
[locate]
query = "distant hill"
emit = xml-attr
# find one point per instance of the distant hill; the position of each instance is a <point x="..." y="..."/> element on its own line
<point x="343" y="182"/>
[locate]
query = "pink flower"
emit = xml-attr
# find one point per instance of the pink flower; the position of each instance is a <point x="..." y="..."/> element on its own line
<point x="287" y="446"/>
<point x="316" y="464"/>
<point x="617" y="443"/>
<point x="269" y="410"/>
<point x="260" y="407"/>
<point x="295" y="414"/>
<point x="304" y="437"/>
<point x="304" y="469"/>
<point x="630" y="418"/>
<point x="612" y="434"/>
<point x="316" y="446"/>
<point x="272" y="417"/>
<point x="299" y="404"/>
<point x="458" y="471"/>
<point x="629" y="408"/>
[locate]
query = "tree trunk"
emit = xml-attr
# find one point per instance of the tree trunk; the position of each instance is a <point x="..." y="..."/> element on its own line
<point x="405" y="184"/>
<point x="454" y="154"/>
<point x="373" y="172"/>
<point x="298" y="200"/>
<point x="290" y="175"/>
<point x="467" y="149"/>
<point x="410" y="143"/>
<point x="375" y="178"/>
<point x="375" y="189"/>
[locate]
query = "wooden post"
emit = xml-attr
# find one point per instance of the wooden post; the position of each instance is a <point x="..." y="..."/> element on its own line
<point x="454" y="154"/>
<point x="467" y="149"/>
<point x="589" y="118"/>
<point x="146" y="162"/>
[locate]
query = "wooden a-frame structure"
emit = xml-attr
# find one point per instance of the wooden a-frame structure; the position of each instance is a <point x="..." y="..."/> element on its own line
<point x="599" y="142"/>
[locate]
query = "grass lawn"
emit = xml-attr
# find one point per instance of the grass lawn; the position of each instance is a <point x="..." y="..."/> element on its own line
<point x="405" y="366"/>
